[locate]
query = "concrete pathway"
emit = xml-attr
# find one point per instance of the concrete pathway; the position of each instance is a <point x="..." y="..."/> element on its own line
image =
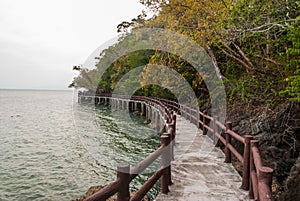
<point x="198" y="171"/>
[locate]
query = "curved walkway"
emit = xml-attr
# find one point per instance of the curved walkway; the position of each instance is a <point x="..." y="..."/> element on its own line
<point x="198" y="171"/>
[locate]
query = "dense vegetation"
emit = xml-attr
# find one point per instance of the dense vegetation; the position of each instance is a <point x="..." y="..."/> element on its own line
<point x="254" y="44"/>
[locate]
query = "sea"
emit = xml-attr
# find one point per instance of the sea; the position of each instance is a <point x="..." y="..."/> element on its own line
<point x="52" y="148"/>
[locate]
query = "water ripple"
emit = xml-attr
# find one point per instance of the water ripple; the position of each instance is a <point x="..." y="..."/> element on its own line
<point x="44" y="158"/>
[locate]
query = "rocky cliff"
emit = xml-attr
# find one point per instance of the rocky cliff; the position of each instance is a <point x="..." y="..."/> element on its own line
<point x="278" y="132"/>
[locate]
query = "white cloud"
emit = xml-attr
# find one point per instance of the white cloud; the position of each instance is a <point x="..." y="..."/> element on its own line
<point x="40" y="40"/>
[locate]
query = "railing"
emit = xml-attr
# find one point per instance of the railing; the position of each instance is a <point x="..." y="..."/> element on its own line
<point x="255" y="177"/>
<point x="125" y="174"/>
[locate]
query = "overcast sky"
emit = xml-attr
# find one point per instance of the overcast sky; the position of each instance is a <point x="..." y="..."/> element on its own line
<point x="40" y="40"/>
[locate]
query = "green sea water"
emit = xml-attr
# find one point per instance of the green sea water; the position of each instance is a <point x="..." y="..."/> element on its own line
<point x="54" y="149"/>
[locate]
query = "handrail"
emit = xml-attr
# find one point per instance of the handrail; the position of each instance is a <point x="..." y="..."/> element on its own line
<point x="255" y="177"/>
<point x="261" y="176"/>
<point x="140" y="167"/>
<point x="125" y="174"/>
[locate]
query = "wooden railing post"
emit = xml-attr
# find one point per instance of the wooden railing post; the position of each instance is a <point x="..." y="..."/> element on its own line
<point x="215" y="138"/>
<point x="256" y="162"/>
<point x="264" y="183"/>
<point x="167" y="116"/>
<point x="181" y="108"/>
<point x="252" y="172"/>
<point x="165" y="163"/>
<point x="246" y="162"/>
<point x="127" y="106"/>
<point x="171" y="131"/>
<point x="148" y="113"/>
<point x="157" y="121"/>
<point x="123" y="173"/>
<point x="142" y="109"/>
<point x="201" y="117"/>
<point x="171" y="157"/>
<point x="174" y="121"/>
<point x="228" y="141"/>
<point x="135" y="107"/>
<point x="198" y="118"/>
<point x="204" y="123"/>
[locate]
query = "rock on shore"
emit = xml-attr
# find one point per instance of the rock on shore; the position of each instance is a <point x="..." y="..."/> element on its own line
<point x="95" y="189"/>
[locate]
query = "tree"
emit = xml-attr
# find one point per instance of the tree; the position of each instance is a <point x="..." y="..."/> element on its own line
<point x="248" y="41"/>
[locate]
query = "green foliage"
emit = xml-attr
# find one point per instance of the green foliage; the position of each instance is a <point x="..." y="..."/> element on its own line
<point x="255" y="41"/>
<point x="293" y="88"/>
<point x="255" y="44"/>
<point x="121" y="67"/>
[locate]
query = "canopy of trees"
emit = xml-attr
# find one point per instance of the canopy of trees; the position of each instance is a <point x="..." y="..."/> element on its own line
<point x="254" y="46"/>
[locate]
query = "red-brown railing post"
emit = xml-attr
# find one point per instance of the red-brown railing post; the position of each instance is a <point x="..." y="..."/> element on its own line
<point x="165" y="163"/>
<point x="204" y="123"/>
<point x="254" y="176"/>
<point x="252" y="171"/>
<point x="167" y="115"/>
<point x="177" y="105"/>
<point x="215" y="138"/>
<point x="171" y="131"/>
<point x="228" y="141"/>
<point x="142" y="109"/>
<point x="246" y="162"/>
<point x="198" y="118"/>
<point x="171" y="157"/>
<point x="174" y="121"/>
<point x="264" y="183"/>
<point x="123" y="173"/>
<point x="201" y="117"/>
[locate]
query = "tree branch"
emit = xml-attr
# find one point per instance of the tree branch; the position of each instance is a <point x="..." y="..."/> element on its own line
<point x="229" y="49"/>
<point x="268" y="25"/>
<point x="215" y="63"/>
<point x="268" y="59"/>
<point x="236" y="58"/>
<point x="243" y="54"/>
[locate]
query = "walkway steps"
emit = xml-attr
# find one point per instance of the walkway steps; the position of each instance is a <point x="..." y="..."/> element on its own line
<point x="198" y="171"/>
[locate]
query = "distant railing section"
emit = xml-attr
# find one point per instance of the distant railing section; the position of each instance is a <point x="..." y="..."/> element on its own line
<point x="255" y="176"/>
